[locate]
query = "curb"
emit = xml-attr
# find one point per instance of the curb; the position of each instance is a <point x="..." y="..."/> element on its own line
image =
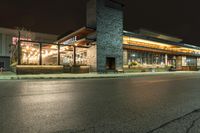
<point x="94" y="77"/>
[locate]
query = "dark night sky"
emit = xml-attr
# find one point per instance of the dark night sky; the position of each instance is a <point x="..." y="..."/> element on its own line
<point x="179" y="18"/>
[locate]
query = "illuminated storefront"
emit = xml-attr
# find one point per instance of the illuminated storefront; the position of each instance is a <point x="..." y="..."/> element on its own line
<point x="151" y="52"/>
<point x="76" y="49"/>
<point x="103" y="46"/>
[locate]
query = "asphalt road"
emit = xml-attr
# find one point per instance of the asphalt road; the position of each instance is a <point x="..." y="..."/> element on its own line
<point x="149" y="104"/>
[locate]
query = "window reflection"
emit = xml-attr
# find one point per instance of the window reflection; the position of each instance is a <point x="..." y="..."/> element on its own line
<point x="66" y="55"/>
<point x="81" y="56"/>
<point x="145" y="58"/>
<point x="29" y="53"/>
<point x="191" y="61"/>
<point x="49" y="54"/>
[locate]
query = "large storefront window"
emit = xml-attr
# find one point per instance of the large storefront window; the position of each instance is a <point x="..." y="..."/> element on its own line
<point x="81" y="56"/>
<point x="145" y="58"/>
<point x="29" y="53"/>
<point x="66" y="55"/>
<point x="49" y="54"/>
<point x="191" y="61"/>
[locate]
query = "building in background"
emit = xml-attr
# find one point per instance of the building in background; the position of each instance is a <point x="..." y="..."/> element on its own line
<point x="9" y="39"/>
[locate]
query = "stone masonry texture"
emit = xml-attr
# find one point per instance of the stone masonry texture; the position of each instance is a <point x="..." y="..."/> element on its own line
<point x="109" y="35"/>
<point x="109" y="28"/>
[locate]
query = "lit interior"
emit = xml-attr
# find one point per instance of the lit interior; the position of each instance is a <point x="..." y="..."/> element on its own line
<point x="30" y="54"/>
<point x="157" y="45"/>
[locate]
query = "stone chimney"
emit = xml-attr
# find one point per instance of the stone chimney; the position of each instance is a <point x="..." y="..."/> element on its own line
<point x="106" y="16"/>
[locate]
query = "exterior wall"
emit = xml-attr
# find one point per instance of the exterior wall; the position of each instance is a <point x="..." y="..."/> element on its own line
<point x="91" y="14"/>
<point x="125" y="57"/>
<point x="109" y="35"/>
<point x="33" y="35"/>
<point x="5" y="42"/>
<point x="91" y="55"/>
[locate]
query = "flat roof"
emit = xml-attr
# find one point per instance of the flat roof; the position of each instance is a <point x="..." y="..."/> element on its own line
<point x="158" y="35"/>
<point x="170" y="42"/>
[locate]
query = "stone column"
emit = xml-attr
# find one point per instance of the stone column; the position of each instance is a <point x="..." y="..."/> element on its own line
<point x="109" y="35"/>
<point x="106" y="17"/>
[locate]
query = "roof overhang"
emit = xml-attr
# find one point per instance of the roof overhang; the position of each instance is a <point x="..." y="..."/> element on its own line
<point x="80" y="33"/>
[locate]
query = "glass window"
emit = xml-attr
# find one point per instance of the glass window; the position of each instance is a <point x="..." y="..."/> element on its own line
<point x="81" y="56"/>
<point x="144" y="58"/>
<point x="49" y="54"/>
<point x="191" y="61"/>
<point x="66" y="55"/>
<point x="30" y="53"/>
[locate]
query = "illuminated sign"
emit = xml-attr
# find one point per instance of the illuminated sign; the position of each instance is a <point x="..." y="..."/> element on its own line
<point x="15" y="40"/>
<point x="70" y="41"/>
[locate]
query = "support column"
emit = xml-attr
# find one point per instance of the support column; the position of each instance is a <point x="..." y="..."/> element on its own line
<point x="19" y="52"/>
<point x="166" y="59"/>
<point x="74" y="55"/>
<point x="40" y="60"/>
<point x="58" y="54"/>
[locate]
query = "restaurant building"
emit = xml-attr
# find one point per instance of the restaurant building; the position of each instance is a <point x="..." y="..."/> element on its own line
<point x="103" y="45"/>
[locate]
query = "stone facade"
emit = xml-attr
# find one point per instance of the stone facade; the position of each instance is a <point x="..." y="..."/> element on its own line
<point x="109" y="28"/>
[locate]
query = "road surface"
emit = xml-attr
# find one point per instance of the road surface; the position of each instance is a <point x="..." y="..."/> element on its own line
<point x="145" y="104"/>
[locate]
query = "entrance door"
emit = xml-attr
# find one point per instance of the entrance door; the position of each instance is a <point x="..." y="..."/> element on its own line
<point x="110" y="63"/>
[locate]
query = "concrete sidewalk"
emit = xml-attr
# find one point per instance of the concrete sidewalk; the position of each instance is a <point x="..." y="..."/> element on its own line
<point x="13" y="76"/>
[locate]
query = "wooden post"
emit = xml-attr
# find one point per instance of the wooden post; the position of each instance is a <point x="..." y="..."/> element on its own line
<point x="58" y="54"/>
<point x="74" y="55"/>
<point x="40" y="54"/>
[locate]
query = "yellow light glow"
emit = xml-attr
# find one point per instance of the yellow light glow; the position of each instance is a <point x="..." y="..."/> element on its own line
<point x="27" y="47"/>
<point x="157" y="45"/>
<point x="54" y="47"/>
